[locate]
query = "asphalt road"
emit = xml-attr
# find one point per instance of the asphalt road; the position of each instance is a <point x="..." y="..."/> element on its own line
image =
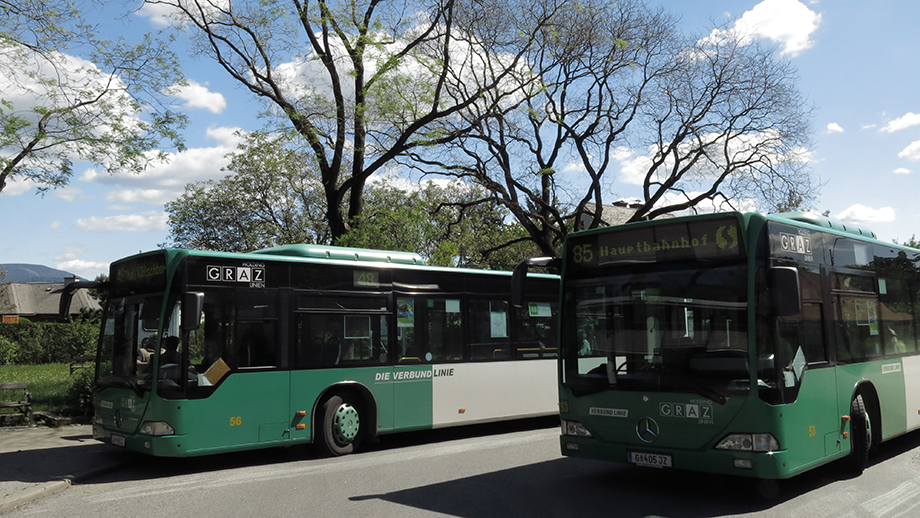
<point x="499" y="471"/>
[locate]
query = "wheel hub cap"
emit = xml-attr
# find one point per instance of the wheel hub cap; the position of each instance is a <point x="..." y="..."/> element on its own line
<point x="346" y="424"/>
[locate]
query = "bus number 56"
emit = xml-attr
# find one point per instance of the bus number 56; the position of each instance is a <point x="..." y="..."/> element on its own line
<point x="236" y="421"/>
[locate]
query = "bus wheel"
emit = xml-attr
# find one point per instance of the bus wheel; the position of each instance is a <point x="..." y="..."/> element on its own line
<point x="341" y="426"/>
<point x="860" y="436"/>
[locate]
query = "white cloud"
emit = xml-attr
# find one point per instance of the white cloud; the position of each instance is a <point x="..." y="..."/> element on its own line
<point x="905" y="121"/>
<point x="165" y="181"/>
<point x="163" y="15"/>
<point x="70" y="260"/>
<point x="15" y="187"/>
<point x="911" y="152"/>
<point x="151" y="221"/>
<point x="158" y="14"/>
<point x="902" y="170"/>
<point x="862" y="214"/>
<point x="789" y="23"/>
<point x="834" y="128"/>
<point x="85" y="269"/>
<point x="197" y="95"/>
<point x="68" y="193"/>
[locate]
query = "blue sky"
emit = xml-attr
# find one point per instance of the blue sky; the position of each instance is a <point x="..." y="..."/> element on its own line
<point x="858" y="64"/>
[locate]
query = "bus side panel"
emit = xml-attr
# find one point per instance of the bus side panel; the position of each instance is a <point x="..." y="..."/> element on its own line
<point x="412" y="397"/>
<point x="247" y="409"/>
<point x="479" y="392"/>
<point x="911" y="367"/>
<point x="888" y="379"/>
<point x="308" y="385"/>
<point x="810" y="428"/>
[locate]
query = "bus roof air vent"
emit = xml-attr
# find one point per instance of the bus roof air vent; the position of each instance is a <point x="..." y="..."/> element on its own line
<point x="344" y="254"/>
<point x="825" y="222"/>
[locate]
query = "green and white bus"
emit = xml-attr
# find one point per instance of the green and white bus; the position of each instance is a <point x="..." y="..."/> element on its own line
<point x="749" y="344"/>
<point x="207" y="352"/>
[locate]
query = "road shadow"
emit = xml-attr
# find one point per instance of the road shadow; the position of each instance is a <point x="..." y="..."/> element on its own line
<point x="579" y="487"/>
<point x="564" y="486"/>
<point x="103" y="463"/>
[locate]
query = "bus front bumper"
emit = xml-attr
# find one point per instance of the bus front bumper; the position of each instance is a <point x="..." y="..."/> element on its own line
<point x="165" y="446"/>
<point x="741" y="463"/>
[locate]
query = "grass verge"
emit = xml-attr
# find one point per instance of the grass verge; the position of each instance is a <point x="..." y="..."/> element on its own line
<point x="49" y="385"/>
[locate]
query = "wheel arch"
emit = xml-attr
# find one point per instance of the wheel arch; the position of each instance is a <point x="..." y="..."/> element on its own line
<point x="867" y="390"/>
<point x="353" y="388"/>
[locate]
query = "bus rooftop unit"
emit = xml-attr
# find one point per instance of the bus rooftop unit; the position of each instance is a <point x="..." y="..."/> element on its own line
<point x="750" y="344"/>
<point x="207" y="352"/>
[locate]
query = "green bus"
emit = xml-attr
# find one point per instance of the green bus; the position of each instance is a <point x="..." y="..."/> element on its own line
<point x="206" y="352"/>
<point x="736" y="343"/>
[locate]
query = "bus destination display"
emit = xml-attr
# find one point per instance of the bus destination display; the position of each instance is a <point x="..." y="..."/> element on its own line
<point x="689" y="240"/>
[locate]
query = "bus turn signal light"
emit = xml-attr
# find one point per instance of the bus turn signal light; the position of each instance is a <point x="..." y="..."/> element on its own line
<point x="846" y="418"/>
<point x="301" y="413"/>
<point x="301" y="426"/>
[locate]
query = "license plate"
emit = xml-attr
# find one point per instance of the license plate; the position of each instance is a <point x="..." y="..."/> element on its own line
<point x="651" y="460"/>
<point x="118" y="440"/>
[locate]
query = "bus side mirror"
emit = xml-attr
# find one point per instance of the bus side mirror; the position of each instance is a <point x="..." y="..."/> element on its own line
<point x="784" y="281"/>
<point x="192" y="306"/>
<point x="67" y="295"/>
<point x="519" y="276"/>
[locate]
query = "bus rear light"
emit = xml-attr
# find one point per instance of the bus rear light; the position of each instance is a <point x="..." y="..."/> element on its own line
<point x="157" y="428"/>
<point x="97" y="417"/>
<point x="759" y="442"/>
<point x="575" y="428"/>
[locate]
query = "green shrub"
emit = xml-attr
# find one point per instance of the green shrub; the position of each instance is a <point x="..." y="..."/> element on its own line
<point x="79" y="398"/>
<point x="50" y="342"/>
<point x="9" y="351"/>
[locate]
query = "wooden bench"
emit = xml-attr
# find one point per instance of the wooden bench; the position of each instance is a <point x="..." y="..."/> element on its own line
<point x="24" y="402"/>
<point x="82" y="362"/>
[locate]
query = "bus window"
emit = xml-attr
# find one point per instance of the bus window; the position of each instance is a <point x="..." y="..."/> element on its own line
<point x="535" y="330"/>
<point x="444" y="328"/>
<point x="857" y="328"/>
<point x="334" y="331"/>
<point x="897" y="313"/>
<point x="489" y="328"/>
<point x="257" y="344"/>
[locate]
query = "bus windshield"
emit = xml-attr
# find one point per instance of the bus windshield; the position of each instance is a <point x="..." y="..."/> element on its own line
<point x="129" y="341"/>
<point x="660" y="327"/>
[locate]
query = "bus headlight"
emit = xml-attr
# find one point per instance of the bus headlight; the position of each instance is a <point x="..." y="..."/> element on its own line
<point x="157" y="428"/>
<point x="759" y="442"/>
<point x="575" y="428"/>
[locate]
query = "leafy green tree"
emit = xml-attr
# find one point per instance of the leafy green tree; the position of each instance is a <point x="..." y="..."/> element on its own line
<point x="615" y="88"/>
<point x="912" y="242"/>
<point x="273" y="196"/>
<point x="450" y="224"/>
<point x="362" y="81"/>
<point x="107" y="106"/>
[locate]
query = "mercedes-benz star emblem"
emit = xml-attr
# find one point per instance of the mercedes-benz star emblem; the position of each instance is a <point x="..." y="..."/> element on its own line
<point x="647" y="429"/>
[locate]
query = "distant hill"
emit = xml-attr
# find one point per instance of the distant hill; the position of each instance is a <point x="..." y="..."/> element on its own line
<point x="23" y="273"/>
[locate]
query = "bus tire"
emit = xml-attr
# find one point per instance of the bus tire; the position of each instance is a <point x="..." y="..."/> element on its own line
<point x="860" y="436"/>
<point x="341" y="425"/>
